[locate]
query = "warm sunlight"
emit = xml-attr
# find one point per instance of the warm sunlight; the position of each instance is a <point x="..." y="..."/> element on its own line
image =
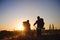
<point x="21" y="28"/>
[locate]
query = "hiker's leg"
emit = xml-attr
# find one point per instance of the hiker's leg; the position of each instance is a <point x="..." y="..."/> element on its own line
<point x="40" y="32"/>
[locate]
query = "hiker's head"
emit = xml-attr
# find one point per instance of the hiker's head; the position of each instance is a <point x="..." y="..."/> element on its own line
<point x="27" y="20"/>
<point x="38" y="17"/>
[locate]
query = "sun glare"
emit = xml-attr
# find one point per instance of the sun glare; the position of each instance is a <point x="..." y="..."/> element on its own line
<point x="21" y="28"/>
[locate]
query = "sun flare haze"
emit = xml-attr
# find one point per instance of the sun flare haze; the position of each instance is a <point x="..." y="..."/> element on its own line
<point x="20" y="27"/>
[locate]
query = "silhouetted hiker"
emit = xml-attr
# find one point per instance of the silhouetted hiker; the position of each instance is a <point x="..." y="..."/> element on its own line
<point x="26" y="25"/>
<point x="40" y="25"/>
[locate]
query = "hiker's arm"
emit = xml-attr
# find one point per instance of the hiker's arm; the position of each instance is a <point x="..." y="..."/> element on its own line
<point x="35" y="23"/>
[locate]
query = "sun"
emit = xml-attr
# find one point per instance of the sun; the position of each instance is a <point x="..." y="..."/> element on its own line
<point x="21" y="28"/>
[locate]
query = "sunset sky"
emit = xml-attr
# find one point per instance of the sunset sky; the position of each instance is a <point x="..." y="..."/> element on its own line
<point x="13" y="13"/>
